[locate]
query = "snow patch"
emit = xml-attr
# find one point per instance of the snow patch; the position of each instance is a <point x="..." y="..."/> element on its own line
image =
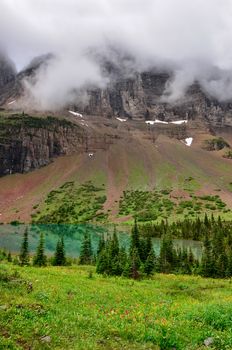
<point x="156" y="121"/>
<point x="178" y="122"/>
<point x="10" y="103"/>
<point x="84" y="124"/>
<point x="76" y="114"/>
<point x="188" y="141"/>
<point x="121" y="119"/>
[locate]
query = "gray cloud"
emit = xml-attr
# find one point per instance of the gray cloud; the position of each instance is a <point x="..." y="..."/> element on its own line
<point x="193" y="38"/>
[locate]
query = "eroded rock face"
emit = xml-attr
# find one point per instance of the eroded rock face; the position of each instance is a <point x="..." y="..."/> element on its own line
<point x="28" y="143"/>
<point x="7" y="71"/>
<point x="140" y="98"/>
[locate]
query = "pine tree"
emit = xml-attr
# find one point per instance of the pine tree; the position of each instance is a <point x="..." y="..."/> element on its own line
<point x="9" y="257"/>
<point x="24" y="251"/>
<point x="101" y="244"/>
<point x="113" y="255"/>
<point x="149" y="264"/>
<point x="40" y="258"/>
<point x="207" y="262"/>
<point x="135" y="264"/>
<point x="59" y="258"/>
<point x="86" y="253"/>
<point x="229" y="265"/>
<point x="135" y="239"/>
<point x="166" y="259"/>
<point x="102" y="262"/>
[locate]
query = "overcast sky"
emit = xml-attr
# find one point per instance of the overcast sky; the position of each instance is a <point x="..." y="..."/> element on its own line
<point x="193" y="37"/>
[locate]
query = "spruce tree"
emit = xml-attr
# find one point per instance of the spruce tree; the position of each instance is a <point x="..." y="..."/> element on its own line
<point x="229" y="265"/>
<point x="135" y="239"/>
<point x="86" y="253"/>
<point x="9" y="257"/>
<point x="135" y="264"/>
<point x="207" y="261"/>
<point x="40" y="258"/>
<point x="101" y="244"/>
<point x="166" y="258"/>
<point x="102" y="262"/>
<point x="24" y="251"/>
<point x="113" y="255"/>
<point x="149" y="265"/>
<point x="59" y="258"/>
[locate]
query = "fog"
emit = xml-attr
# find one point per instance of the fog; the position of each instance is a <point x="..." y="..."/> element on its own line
<point x="191" y="38"/>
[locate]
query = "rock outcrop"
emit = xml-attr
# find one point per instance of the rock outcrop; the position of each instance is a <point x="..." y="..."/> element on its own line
<point x="27" y="143"/>
<point x="141" y="98"/>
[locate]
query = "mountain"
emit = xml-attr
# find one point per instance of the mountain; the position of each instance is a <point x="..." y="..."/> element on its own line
<point x="165" y="159"/>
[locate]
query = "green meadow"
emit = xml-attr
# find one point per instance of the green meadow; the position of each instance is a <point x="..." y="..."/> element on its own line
<point x="74" y="308"/>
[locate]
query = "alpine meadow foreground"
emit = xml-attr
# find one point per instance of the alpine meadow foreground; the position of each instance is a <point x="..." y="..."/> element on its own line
<point x="74" y="308"/>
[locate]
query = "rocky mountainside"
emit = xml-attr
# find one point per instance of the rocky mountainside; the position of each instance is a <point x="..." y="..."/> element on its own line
<point x="7" y="73"/>
<point x="28" y="143"/>
<point x="140" y="98"/>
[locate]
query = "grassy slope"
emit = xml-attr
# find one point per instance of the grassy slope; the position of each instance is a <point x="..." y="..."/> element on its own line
<point x="132" y="162"/>
<point x="166" y="312"/>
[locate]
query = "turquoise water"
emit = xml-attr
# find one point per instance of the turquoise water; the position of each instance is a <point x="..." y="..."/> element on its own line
<point x="11" y="238"/>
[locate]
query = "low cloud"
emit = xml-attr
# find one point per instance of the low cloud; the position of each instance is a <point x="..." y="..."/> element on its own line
<point x="191" y="38"/>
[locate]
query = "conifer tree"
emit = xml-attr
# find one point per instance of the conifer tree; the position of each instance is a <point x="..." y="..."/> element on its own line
<point x="9" y="257"/>
<point x="59" y="258"/>
<point x="135" y="264"/>
<point x="135" y="239"/>
<point x="207" y="263"/>
<point x="40" y="258"/>
<point x="166" y="258"/>
<point x="86" y="253"/>
<point x="24" y="251"/>
<point x="101" y="244"/>
<point x="149" y="263"/>
<point x="102" y="262"/>
<point x="229" y="265"/>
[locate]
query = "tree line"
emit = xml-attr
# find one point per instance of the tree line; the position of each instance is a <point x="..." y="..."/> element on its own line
<point x="195" y="229"/>
<point x="140" y="259"/>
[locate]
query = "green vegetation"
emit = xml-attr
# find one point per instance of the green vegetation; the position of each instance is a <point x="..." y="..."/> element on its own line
<point x="72" y="204"/>
<point x="23" y="120"/>
<point x="24" y="251"/>
<point x="112" y="259"/>
<point x="65" y="309"/>
<point x="59" y="258"/>
<point x="86" y="253"/>
<point x="228" y="154"/>
<point x="158" y="205"/>
<point x="189" y="229"/>
<point x="40" y="258"/>
<point x="215" y="144"/>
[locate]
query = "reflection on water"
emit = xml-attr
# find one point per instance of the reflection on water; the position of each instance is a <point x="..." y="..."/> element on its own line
<point x="11" y="238"/>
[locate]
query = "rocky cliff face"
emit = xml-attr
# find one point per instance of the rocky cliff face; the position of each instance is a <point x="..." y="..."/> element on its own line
<point x="28" y="142"/>
<point x="140" y="98"/>
<point x="136" y="97"/>
<point x="7" y="72"/>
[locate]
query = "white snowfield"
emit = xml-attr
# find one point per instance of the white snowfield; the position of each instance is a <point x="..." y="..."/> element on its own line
<point x="76" y="114"/>
<point x="84" y="124"/>
<point x="178" y="122"/>
<point x="188" y="141"/>
<point x="156" y="121"/>
<point x="10" y="103"/>
<point x="121" y="119"/>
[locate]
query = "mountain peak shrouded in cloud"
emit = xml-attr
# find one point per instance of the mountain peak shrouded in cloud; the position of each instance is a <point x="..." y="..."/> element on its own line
<point x="190" y="38"/>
